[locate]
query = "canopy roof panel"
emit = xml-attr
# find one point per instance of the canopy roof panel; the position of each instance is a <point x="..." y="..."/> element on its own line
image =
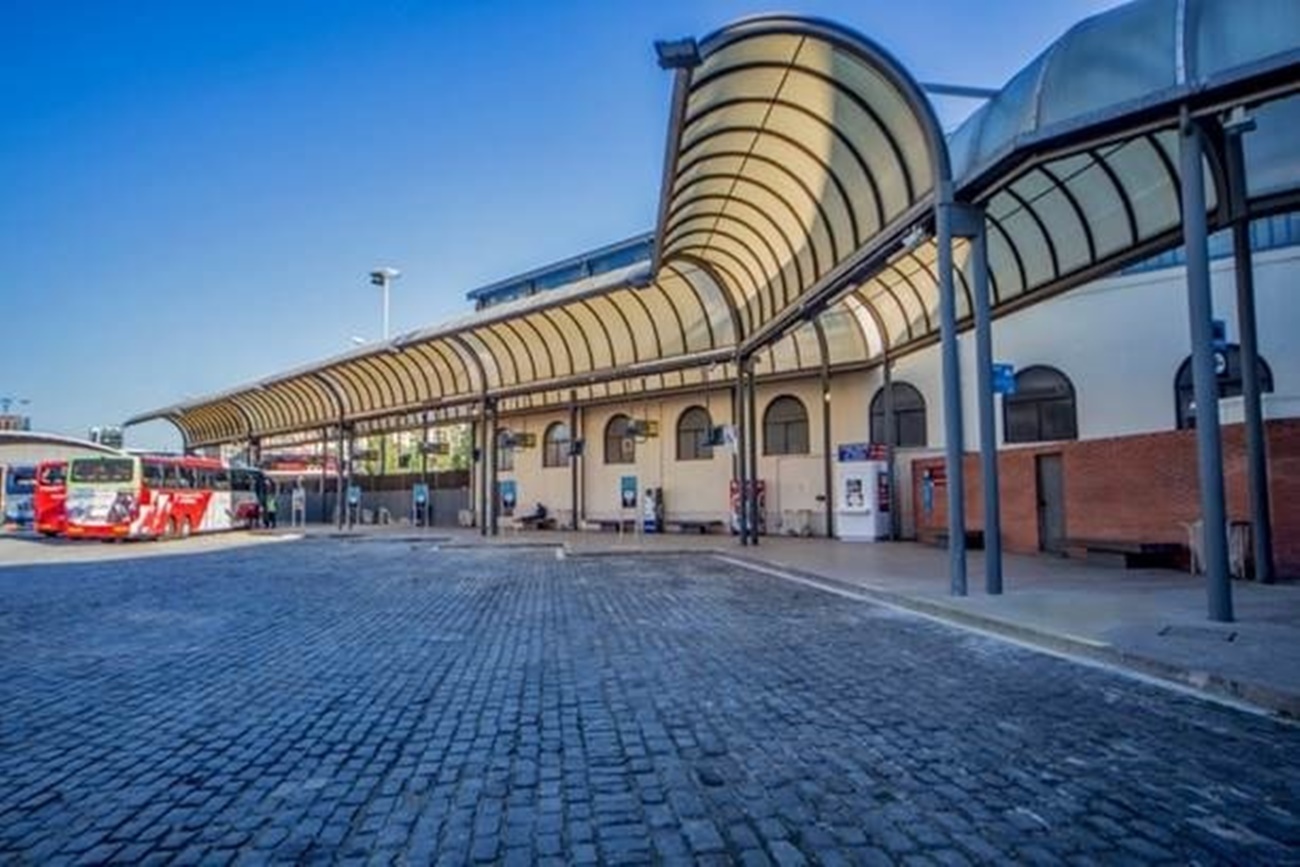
<point x="801" y="158"/>
<point x="797" y="143"/>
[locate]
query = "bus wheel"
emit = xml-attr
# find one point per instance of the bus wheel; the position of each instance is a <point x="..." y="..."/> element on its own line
<point x="185" y="528"/>
<point x="171" y="528"/>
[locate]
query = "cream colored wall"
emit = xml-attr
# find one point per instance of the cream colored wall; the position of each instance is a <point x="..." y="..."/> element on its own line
<point x="534" y="483"/>
<point x="794" y="481"/>
<point x="693" y="490"/>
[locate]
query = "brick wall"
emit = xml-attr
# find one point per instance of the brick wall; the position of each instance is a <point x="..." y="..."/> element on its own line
<point x="1140" y="488"/>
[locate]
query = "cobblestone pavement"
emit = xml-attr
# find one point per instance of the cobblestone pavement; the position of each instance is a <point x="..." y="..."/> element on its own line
<point x="333" y="701"/>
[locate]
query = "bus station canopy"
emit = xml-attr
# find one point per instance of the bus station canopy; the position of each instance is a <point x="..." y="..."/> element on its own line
<point x="797" y="212"/>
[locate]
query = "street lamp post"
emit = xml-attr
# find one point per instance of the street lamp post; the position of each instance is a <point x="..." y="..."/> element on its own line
<point x="383" y="278"/>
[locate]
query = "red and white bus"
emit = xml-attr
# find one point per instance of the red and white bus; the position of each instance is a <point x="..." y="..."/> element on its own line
<point x="48" y="500"/>
<point x="158" y="496"/>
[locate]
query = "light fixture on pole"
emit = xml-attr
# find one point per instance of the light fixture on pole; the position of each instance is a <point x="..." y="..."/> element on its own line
<point x="383" y="278"/>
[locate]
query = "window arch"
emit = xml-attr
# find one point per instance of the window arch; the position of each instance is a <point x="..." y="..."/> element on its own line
<point x="785" y="427"/>
<point x="1227" y="375"/>
<point x="909" y="417"/>
<point x="620" y="447"/>
<point x="555" y="445"/>
<point x="693" y="429"/>
<point x="1042" y="409"/>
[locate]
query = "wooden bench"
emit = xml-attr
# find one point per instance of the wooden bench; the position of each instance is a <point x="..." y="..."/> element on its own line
<point x="701" y="527"/>
<point x="1130" y="554"/>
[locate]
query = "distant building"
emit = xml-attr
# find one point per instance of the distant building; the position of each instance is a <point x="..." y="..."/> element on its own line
<point x="14" y="421"/>
<point x="108" y="435"/>
<point x="566" y="271"/>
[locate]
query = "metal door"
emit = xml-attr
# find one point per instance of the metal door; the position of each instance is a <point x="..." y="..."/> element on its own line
<point x="1051" y="504"/>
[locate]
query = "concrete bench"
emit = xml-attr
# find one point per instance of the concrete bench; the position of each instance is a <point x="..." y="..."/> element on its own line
<point x="974" y="539"/>
<point x="1131" y="554"/>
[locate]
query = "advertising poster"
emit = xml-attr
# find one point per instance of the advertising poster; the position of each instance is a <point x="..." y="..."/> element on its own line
<point x="627" y="492"/>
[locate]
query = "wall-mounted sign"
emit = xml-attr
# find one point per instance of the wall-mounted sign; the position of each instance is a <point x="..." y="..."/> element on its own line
<point x="1004" y="378"/>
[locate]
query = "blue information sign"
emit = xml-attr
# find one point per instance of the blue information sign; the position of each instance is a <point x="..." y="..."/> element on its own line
<point x="627" y="492"/>
<point x="1004" y="378"/>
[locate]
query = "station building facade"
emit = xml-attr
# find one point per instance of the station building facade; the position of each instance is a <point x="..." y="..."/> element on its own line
<point x="1104" y="401"/>
<point x="819" y="235"/>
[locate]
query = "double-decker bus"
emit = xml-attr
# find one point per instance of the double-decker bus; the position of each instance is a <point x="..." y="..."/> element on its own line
<point x="16" y="485"/>
<point x="158" y="496"/>
<point x="50" y="514"/>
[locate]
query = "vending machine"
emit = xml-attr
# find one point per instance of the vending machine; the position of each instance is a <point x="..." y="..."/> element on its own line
<point x="863" y="500"/>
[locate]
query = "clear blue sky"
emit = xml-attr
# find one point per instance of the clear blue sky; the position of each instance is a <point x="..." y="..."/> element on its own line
<point x="191" y="193"/>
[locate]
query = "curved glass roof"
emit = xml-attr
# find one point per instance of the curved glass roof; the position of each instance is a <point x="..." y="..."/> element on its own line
<point x="800" y="157"/>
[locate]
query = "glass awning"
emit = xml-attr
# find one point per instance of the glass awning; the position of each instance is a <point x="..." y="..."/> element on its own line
<point x="798" y="162"/>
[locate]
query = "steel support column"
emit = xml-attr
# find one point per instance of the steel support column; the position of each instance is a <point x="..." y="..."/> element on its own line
<point x="974" y="230"/>
<point x="742" y="503"/>
<point x="954" y="443"/>
<point x="573" y="460"/>
<point x="1261" y="519"/>
<point x="493" y="500"/>
<point x="751" y="410"/>
<point x="1214" y="543"/>
<point x="340" y="501"/>
<point x="828" y="469"/>
<point x="891" y="440"/>
<point x="347" y="478"/>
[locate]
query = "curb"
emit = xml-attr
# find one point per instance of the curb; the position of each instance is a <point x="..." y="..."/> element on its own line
<point x="1278" y="702"/>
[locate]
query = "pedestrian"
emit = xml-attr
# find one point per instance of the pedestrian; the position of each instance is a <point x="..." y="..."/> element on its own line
<point x="270" y="509"/>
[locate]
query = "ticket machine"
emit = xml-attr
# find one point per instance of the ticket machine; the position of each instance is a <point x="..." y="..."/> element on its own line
<point x="863" y="500"/>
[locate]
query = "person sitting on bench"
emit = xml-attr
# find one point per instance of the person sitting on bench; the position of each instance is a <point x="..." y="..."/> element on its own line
<point x="535" y="518"/>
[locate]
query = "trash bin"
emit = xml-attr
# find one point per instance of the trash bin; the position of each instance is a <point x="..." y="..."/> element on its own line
<point x="1239" y="548"/>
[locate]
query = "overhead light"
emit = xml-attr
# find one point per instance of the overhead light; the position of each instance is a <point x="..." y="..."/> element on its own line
<point x="915" y="237"/>
<point x="1238" y="121"/>
<point x="678" y="53"/>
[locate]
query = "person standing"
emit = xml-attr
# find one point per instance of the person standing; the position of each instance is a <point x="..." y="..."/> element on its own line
<point x="270" y="507"/>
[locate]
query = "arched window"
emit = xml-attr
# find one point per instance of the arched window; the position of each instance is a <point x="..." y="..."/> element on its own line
<point x="693" y="427"/>
<point x="785" y="427"/>
<point x="620" y="448"/>
<point x="1227" y="365"/>
<point x="555" y="445"/>
<point x="1042" y="409"/>
<point x="909" y="417"/>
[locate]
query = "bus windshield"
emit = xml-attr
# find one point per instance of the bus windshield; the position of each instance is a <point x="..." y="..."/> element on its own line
<point x="109" y="470"/>
<point x="51" y="474"/>
<point x="20" y="480"/>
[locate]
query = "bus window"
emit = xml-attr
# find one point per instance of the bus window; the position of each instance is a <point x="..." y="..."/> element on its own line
<point x="52" y="475"/>
<point x="220" y="480"/>
<point x="154" y="475"/>
<point x="110" y="470"/>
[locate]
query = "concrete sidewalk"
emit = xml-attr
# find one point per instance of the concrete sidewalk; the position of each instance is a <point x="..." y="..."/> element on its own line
<point x="1150" y="620"/>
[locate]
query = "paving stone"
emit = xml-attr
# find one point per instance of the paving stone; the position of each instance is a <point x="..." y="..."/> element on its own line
<point x="332" y="701"/>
